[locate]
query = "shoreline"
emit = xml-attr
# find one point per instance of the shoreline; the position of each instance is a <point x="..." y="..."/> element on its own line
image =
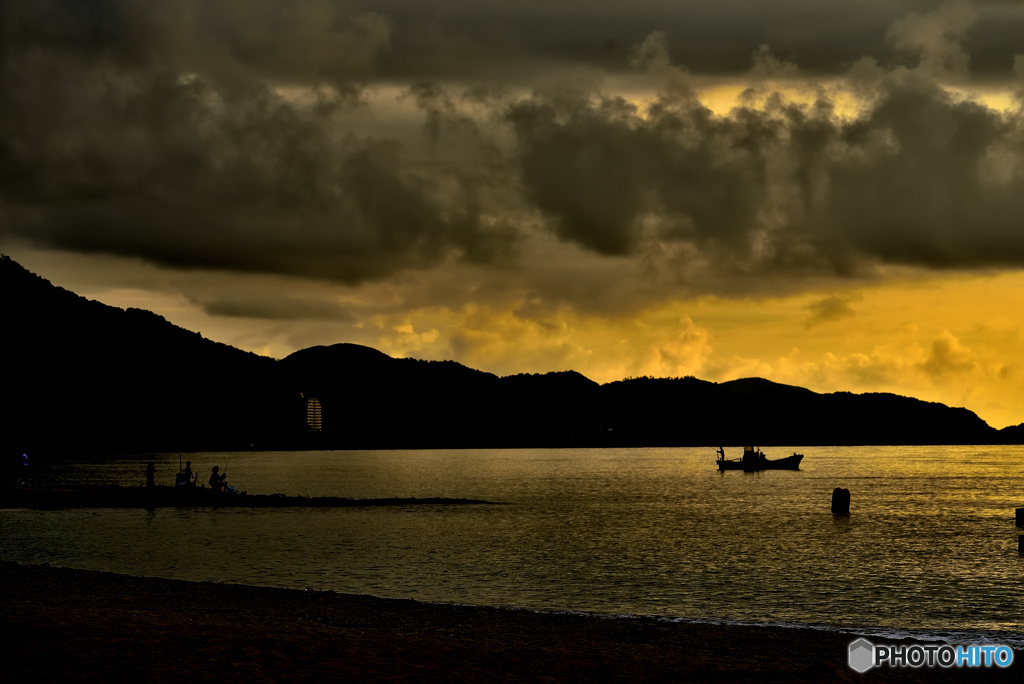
<point x="64" y="624"/>
<point x="161" y="496"/>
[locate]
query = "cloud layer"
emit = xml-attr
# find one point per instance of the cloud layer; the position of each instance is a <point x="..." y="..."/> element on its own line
<point x="355" y="141"/>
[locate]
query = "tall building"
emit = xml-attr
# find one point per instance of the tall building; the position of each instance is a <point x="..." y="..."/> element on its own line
<point x="314" y="414"/>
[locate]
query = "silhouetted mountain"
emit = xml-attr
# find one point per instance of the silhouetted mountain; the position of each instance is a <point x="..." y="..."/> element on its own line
<point x="83" y="376"/>
<point x="80" y="375"/>
<point x="372" y="400"/>
<point x="1012" y="434"/>
<point x="758" y="411"/>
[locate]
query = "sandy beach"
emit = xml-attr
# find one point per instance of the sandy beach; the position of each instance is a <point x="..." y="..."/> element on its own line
<point x="71" y="625"/>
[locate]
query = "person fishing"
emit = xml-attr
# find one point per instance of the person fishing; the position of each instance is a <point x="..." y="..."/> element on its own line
<point x="217" y="479"/>
<point x="185" y="478"/>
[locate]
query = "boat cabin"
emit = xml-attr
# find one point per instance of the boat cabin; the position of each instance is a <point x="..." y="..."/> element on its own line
<point x="752" y="456"/>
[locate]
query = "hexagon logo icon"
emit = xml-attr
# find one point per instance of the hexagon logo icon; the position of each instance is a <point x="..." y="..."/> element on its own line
<point x="861" y="655"/>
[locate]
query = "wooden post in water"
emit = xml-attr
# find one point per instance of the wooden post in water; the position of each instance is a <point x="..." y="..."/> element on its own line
<point x="1020" y="544"/>
<point x="1020" y="517"/>
<point x="840" y="501"/>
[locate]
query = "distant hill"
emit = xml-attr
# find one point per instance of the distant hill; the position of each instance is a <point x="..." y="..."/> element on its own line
<point x="81" y="376"/>
<point x="371" y="400"/>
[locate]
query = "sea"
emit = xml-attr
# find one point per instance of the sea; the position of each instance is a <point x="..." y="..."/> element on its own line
<point x="929" y="550"/>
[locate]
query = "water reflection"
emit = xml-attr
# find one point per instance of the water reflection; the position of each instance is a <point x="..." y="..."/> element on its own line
<point x="930" y="541"/>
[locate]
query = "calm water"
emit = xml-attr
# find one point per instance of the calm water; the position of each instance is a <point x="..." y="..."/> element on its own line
<point x="931" y="543"/>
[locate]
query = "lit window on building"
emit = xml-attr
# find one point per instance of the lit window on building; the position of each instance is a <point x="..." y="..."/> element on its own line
<point x="314" y="414"/>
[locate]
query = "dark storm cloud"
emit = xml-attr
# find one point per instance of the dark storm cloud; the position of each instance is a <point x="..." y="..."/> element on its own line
<point x="599" y="167"/>
<point x="157" y="170"/>
<point x="303" y="39"/>
<point x="159" y="130"/>
<point x="920" y="177"/>
<point x="470" y="38"/>
<point x="219" y="134"/>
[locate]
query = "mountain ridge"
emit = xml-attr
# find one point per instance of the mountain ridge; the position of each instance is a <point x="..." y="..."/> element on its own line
<point x="84" y="376"/>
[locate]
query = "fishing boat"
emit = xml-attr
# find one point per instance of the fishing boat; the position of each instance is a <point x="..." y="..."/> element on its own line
<point x="754" y="460"/>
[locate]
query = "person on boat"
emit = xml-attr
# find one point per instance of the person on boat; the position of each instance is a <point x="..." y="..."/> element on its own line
<point x="721" y="454"/>
<point x="150" y="473"/>
<point x="217" y="480"/>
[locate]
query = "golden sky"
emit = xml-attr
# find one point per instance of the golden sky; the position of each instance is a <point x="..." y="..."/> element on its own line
<point x="828" y="195"/>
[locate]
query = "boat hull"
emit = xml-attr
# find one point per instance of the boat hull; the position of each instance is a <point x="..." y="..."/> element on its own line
<point x="754" y="465"/>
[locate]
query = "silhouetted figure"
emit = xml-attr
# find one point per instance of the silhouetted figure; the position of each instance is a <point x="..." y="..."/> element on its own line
<point x="150" y="475"/>
<point x="217" y="480"/>
<point x="23" y="475"/>
<point x="840" y="501"/>
<point x="185" y="478"/>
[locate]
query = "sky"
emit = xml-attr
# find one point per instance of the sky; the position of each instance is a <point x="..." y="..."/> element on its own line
<point x="823" y="193"/>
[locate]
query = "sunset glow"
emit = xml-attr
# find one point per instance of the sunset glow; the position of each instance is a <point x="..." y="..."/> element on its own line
<point x="836" y="208"/>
